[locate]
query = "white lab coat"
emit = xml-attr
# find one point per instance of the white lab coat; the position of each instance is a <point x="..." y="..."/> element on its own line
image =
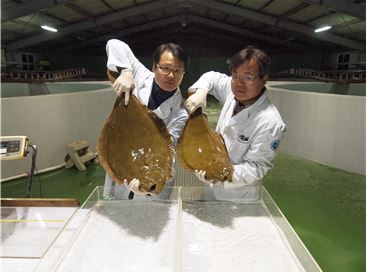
<point x="251" y="137"/>
<point x="171" y="111"/>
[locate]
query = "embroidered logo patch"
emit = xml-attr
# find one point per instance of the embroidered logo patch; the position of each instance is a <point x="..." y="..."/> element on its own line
<point x="243" y="139"/>
<point x="274" y="145"/>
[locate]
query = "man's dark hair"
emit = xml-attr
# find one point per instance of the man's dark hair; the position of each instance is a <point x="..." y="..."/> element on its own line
<point x="249" y="53"/>
<point x="175" y="49"/>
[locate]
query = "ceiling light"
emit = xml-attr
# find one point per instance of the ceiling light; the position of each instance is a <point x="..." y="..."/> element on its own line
<point x="48" y="28"/>
<point x="324" y="28"/>
<point x="184" y="19"/>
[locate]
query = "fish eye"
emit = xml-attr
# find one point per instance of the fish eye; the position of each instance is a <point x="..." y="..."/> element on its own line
<point x="152" y="188"/>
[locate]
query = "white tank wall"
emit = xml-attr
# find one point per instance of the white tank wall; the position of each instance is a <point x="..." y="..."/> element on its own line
<point x="325" y="128"/>
<point x="51" y="122"/>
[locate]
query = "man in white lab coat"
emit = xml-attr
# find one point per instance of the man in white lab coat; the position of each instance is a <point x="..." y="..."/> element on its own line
<point x="250" y="124"/>
<point x="158" y="89"/>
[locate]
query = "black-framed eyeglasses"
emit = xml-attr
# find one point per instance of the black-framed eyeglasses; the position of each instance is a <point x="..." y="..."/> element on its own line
<point x="167" y="70"/>
<point x="246" y="78"/>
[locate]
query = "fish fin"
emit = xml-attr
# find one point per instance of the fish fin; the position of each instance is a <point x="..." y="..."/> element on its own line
<point x="180" y="145"/>
<point x="102" y="156"/>
<point x="112" y="75"/>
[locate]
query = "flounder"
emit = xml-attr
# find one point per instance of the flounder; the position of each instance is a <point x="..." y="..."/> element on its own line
<point x="135" y="143"/>
<point x="200" y="148"/>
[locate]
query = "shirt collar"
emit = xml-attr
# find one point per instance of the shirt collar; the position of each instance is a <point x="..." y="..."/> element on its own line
<point x="240" y="106"/>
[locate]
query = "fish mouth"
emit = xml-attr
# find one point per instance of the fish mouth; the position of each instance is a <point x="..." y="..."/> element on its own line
<point x="227" y="177"/>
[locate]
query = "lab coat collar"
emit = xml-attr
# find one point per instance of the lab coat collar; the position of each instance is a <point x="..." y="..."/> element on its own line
<point x="146" y="90"/>
<point x="246" y="113"/>
<point x="166" y="108"/>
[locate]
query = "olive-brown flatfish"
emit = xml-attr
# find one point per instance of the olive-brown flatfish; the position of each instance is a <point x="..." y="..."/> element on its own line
<point x="200" y="148"/>
<point x="135" y="143"/>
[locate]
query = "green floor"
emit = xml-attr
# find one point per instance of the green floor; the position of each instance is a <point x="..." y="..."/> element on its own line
<point x="325" y="206"/>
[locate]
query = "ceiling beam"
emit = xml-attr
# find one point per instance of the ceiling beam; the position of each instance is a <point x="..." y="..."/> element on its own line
<point x="108" y="5"/>
<point x="53" y="17"/>
<point x="189" y="38"/>
<point x="28" y="7"/>
<point x="177" y="19"/>
<point x="291" y="26"/>
<point x="242" y="31"/>
<point x="345" y="24"/>
<point x="183" y="33"/>
<point x="67" y="30"/>
<point x="320" y="16"/>
<point x="80" y="10"/>
<point x="292" y="11"/>
<point x="343" y="6"/>
<point x="265" y="5"/>
<point x="118" y="34"/>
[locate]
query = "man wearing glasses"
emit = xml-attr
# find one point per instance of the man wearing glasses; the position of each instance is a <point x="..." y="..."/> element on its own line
<point x="250" y="124"/>
<point x="157" y="89"/>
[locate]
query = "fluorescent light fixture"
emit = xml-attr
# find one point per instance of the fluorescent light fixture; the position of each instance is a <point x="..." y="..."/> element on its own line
<point x="324" y="28"/>
<point x="48" y="28"/>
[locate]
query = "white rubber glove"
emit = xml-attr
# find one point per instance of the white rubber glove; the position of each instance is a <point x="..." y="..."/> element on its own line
<point x="197" y="100"/>
<point x="125" y="83"/>
<point x="134" y="186"/>
<point x="200" y="174"/>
